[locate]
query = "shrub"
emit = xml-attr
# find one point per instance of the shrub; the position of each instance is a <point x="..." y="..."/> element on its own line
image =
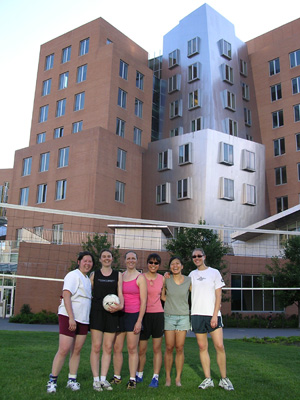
<point x="27" y="317"/>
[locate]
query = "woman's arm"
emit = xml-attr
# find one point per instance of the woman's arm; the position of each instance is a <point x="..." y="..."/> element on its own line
<point x="142" y="284"/>
<point x="92" y="279"/>
<point x="163" y="291"/>
<point x="68" y="306"/>
<point x="120" y="306"/>
<point x="214" y="319"/>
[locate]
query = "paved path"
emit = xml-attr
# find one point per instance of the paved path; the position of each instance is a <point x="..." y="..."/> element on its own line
<point x="229" y="333"/>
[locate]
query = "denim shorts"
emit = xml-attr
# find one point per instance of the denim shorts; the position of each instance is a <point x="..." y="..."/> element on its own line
<point x="177" y="322"/>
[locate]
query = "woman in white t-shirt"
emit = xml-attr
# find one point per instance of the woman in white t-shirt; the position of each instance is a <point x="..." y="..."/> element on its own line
<point x="206" y="317"/>
<point x="73" y="317"/>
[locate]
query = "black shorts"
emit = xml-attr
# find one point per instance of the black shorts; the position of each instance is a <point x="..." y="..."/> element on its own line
<point x="201" y="324"/>
<point x="127" y="321"/>
<point x="153" y="325"/>
<point x="103" y="320"/>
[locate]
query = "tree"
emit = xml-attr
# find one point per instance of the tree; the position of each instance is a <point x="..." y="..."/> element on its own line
<point x="287" y="274"/>
<point x="190" y="238"/>
<point x="94" y="245"/>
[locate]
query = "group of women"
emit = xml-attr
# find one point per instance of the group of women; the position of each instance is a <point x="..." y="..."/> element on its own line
<point x="139" y="316"/>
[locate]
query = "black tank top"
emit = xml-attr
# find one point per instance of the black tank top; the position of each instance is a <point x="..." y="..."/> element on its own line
<point x="104" y="285"/>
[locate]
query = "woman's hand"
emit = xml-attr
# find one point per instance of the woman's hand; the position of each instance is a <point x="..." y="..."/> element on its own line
<point x="214" y="321"/>
<point x="72" y="324"/>
<point x="137" y="327"/>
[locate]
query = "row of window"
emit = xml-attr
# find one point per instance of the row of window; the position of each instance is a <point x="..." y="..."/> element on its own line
<point x="123" y="73"/>
<point x="57" y="233"/>
<point x="278" y="120"/>
<point x="41" y="194"/>
<point x="281" y="175"/>
<point x="279" y="145"/>
<point x="59" y="132"/>
<point x="79" y="100"/>
<point x="63" y="161"/>
<point x="120" y="131"/>
<point x="184" y="191"/>
<point x="230" y="125"/>
<point x="122" y="102"/>
<point x="63" y="80"/>
<point x="276" y="92"/>
<point x="274" y="65"/>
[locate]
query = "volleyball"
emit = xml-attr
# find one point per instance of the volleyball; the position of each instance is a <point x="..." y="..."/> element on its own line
<point x="110" y="300"/>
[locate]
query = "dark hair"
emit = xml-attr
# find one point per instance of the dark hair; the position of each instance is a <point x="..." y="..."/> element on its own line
<point x="103" y="250"/>
<point x="175" y="258"/>
<point x="199" y="249"/>
<point x="154" y="256"/>
<point x="85" y="253"/>
<point x="130" y="251"/>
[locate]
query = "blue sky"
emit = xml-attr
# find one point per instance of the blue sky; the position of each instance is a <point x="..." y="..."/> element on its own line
<point x="26" y="24"/>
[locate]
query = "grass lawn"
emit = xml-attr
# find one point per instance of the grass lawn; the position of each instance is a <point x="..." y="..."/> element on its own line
<point x="257" y="371"/>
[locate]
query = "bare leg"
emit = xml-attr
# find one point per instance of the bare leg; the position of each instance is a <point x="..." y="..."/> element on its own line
<point x="133" y="356"/>
<point x="170" y="344"/>
<point x="65" y="345"/>
<point x="217" y="338"/>
<point x="75" y="355"/>
<point x="118" y="355"/>
<point x="142" y="355"/>
<point x="157" y="355"/>
<point x="204" y="356"/>
<point x="179" y="358"/>
<point x="108" y="340"/>
<point x="95" y="351"/>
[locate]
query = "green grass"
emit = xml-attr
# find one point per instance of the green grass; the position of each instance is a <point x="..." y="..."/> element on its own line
<point x="258" y="371"/>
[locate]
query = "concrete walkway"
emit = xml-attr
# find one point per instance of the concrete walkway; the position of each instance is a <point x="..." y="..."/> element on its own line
<point x="229" y="333"/>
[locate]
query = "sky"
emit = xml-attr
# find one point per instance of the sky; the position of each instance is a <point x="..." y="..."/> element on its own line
<point x="26" y="24"/>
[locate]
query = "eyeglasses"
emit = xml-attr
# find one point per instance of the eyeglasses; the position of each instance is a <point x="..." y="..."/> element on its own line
<point x="153" y="262"/>
<point x="197" y="256"/>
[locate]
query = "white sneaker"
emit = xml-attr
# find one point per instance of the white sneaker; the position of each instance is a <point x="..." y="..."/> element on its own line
<point x="97" y="386"/>
<point x="51" y="387"/>
<point x="106" y="385"/>
<point x="226" y="384"/>
<point x="73" y="385"/>
<point x="208" y="382"/>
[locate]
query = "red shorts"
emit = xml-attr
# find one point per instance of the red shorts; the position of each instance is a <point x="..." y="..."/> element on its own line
<point x="63" y="321"/>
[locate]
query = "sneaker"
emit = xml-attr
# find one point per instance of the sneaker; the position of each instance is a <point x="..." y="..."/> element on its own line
<point x="106" y="385"/>
<point x="131" y="384"/>
<point x="115" y="381"/>
<point x="154" y="383"/>
<point x="208" y="382"/>
<point x="51" y="387"/>
<point x="226" y="384"/>
<point x="73" y="385"/>
<point x="97" y="386"/>
<point x="138" y="379"/>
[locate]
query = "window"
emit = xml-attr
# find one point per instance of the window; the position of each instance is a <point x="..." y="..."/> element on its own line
<point x="249" y="194"/>
<point x="44" y="162"/>
<point x="296" y="85"/>
<point x="174" y="58"/>
<point x="79" y="101"/>
<point x="120" y="127"/>
<point x="165" y="160"/>
<point x="175" y="109"/>
<point x="38" y="230"/>
<point x="120" y="192"/>
<point x="77" y="126"/>
<point x="295" y="58"/>
<point x="243" y="68"/>
<point x="227" y="73"/>
<point x="61" y="108"/>
<point x="174" y="83"/>
<point x="298" y="170"/>
<point x="185" y="154"/>
<point x="193" y="46"/>
<point x="274" y="67"/>
<point x="231" y="127"/>
<point x="41" y="137"/>
<point x="298" y="141"/>
<point x="57" y="233"/>
<point x="247" y="117"/>
<point x="196" y="124"/>
<point x="280" y="176"/>
<point x="41" y="193"/>
<point x="245" y="91"/>
<point x="184" y="189"/>
<point x="226" y="49"/>
<point x="163" y="193"/>
<point x="176" y="131"/>
<point x="282" y="203"/>
<point x="81" y="73"/>
<point x="63" y="80"/>
<point x="66" y="54"/>
<point x="297" y="112"/>
<point x="61" y="189"/>
<point x="277" y="118"/>
<point x="276" y="92"/>
<point x="49" y="62"/>
<point x="84" y="47"/>
<point x="138" y="108"/>
<point x="194" y="72"/>
<point x="46" y="87"/>
<point x="229" y="100"/>
<point x="139" y="80"/>
<point x="58" y="132"/>
<point x="43" y="116"/>
<point x="63" y="157"/>
<point x="24" y="194"/>
<point x="194" y="99"/>
<point x="122" y="98"/>
<point x="226" y="154"/>
<point x="279" y="147"/>
<point x="137" y="136"/>
<point x="26" y="166"/>
<point x="121" y="159"/>
<point x="123" y="70"/>
<point x="248" y="160"/>
<point x="227" y="189"/>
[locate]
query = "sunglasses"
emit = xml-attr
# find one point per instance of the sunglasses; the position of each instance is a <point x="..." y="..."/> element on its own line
<point x="197" y="256"/>
<point x="153" y="262"/>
